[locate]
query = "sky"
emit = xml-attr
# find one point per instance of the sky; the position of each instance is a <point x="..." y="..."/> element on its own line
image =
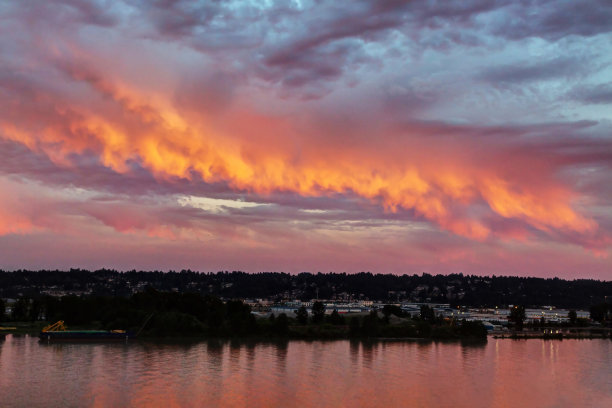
<point x="383" y="135"/>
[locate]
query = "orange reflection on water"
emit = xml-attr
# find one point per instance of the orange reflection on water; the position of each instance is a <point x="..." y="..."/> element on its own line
<point x="501" y="373"/>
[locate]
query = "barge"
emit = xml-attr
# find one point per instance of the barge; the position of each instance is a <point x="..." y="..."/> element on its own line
<point x="58" y="332"/>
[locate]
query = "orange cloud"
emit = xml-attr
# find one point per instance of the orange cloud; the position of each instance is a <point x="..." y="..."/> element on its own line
<point x="432" y="181"/>
<point x="454" y="182"/>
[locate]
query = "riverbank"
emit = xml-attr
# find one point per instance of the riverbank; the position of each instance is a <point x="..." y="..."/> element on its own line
<point x="405" y="332"/>
<point x="552" y="336"/>
<point x="266" y="331"/>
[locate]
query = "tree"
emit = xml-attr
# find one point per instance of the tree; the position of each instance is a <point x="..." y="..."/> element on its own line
<point x="2" y="310"/>
<point x="35" y="310"/>
<point x="386" y="313"/>
<point x="573" y="317"/>
<point x="302" y="315"/>
<point x="20" y="310"/>
<point x="318" y="312"/>
<point x="370" y="324"/>
<point x="335" y="318"/>
<point x="389" y="310"/>
<point x="472" y="329"/>
<point x="354" y="326"/>
<point x="281" y="325"/>
<point x="427" y="313"/>
<point x="517" y="315"/>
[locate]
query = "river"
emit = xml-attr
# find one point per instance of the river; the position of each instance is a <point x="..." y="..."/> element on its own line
<point x="500" y="373"/>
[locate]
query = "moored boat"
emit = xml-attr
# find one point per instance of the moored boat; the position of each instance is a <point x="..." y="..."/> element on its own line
<point x="58" y="332"/>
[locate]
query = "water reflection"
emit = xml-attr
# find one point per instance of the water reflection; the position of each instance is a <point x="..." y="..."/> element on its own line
<point x="499" y="373"/>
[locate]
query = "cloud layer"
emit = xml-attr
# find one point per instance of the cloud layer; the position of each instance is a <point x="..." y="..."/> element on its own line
<point x="442" y="136"/>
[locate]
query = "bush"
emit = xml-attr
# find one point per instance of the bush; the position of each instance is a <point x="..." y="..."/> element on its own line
<point x="405" y="330"/>
<point x="281" y="325"/>
<point x="423" y="329"/>
<point x="472" y="329"/>
<point x="370" y="326"/>
<point x="302" y="315"/>
<point x="318" y="312"/>
<point x="443" y="333"/>
<point x="335" y="318"/>
<point x="175" y="324"/>
<point x="354" y="326"/>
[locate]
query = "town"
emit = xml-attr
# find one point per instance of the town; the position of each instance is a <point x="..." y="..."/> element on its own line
<point x="500" y="304"/>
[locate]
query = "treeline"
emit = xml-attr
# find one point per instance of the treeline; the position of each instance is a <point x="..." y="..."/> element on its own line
<point x="165" y="313"/>
<point x="161" y="314"/>
<point x="457" y="289"/>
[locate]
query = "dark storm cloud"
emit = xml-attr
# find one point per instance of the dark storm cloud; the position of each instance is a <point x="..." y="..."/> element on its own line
<point x="310" y="45"/>
<point x="555" y="19"/>
<point x="596" y="95"/>
<point x="533" y="71"/>
<point x="61" y="14"/>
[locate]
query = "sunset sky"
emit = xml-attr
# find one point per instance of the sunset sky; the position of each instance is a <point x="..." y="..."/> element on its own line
<point x="382" y="136"/>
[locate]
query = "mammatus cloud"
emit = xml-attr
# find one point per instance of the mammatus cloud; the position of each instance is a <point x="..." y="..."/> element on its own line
<point x="173" y="115"/>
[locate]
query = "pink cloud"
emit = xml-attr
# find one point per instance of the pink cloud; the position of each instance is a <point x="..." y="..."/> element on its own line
<point x="139" y="114"/>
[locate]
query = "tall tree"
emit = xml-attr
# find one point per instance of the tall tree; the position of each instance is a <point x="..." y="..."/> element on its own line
<point x="318" y="312"/>
<point x="573" y="317"/>
<point x="370" y="324"/>
<point x="517" y="315"/>
<point x="20" y="310"/>
<point x="281" y="325"/>
<point x="354" y="326"/>
<point x="302" y="315"/>
<point x="335" y="318"/>
<point x="427" y="313"/>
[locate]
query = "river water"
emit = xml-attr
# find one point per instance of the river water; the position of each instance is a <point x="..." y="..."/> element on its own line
<point x="501" y="373"/>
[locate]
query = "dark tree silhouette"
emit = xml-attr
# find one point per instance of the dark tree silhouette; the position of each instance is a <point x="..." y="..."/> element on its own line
<point x="386" y="313"/>
<point x="517" y="316"/>
<point x="335" y="318"/>
<point x="572" y="316"/>
<point x="427" y="313"/>
<point x="370" y="325"/>
<point x="354" y="326"/>
<point x="281" y="325"/>
<point x="20" y="310"/>
<point x="318" y="312"/>
<point x="302" y="315"/>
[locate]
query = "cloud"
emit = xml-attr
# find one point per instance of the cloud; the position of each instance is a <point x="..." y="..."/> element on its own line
<point x="533" y="71"/>
<point x="399" y="174"/>
<point x="339" y="124"/>
<point x="555" y="20"/>
<point x="600" y="94"/>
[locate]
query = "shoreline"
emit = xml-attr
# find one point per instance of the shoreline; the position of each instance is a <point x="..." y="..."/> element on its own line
<point x="264" y="339"/>
<point x="325" y="333"/>
<point x="551" y="337"/>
